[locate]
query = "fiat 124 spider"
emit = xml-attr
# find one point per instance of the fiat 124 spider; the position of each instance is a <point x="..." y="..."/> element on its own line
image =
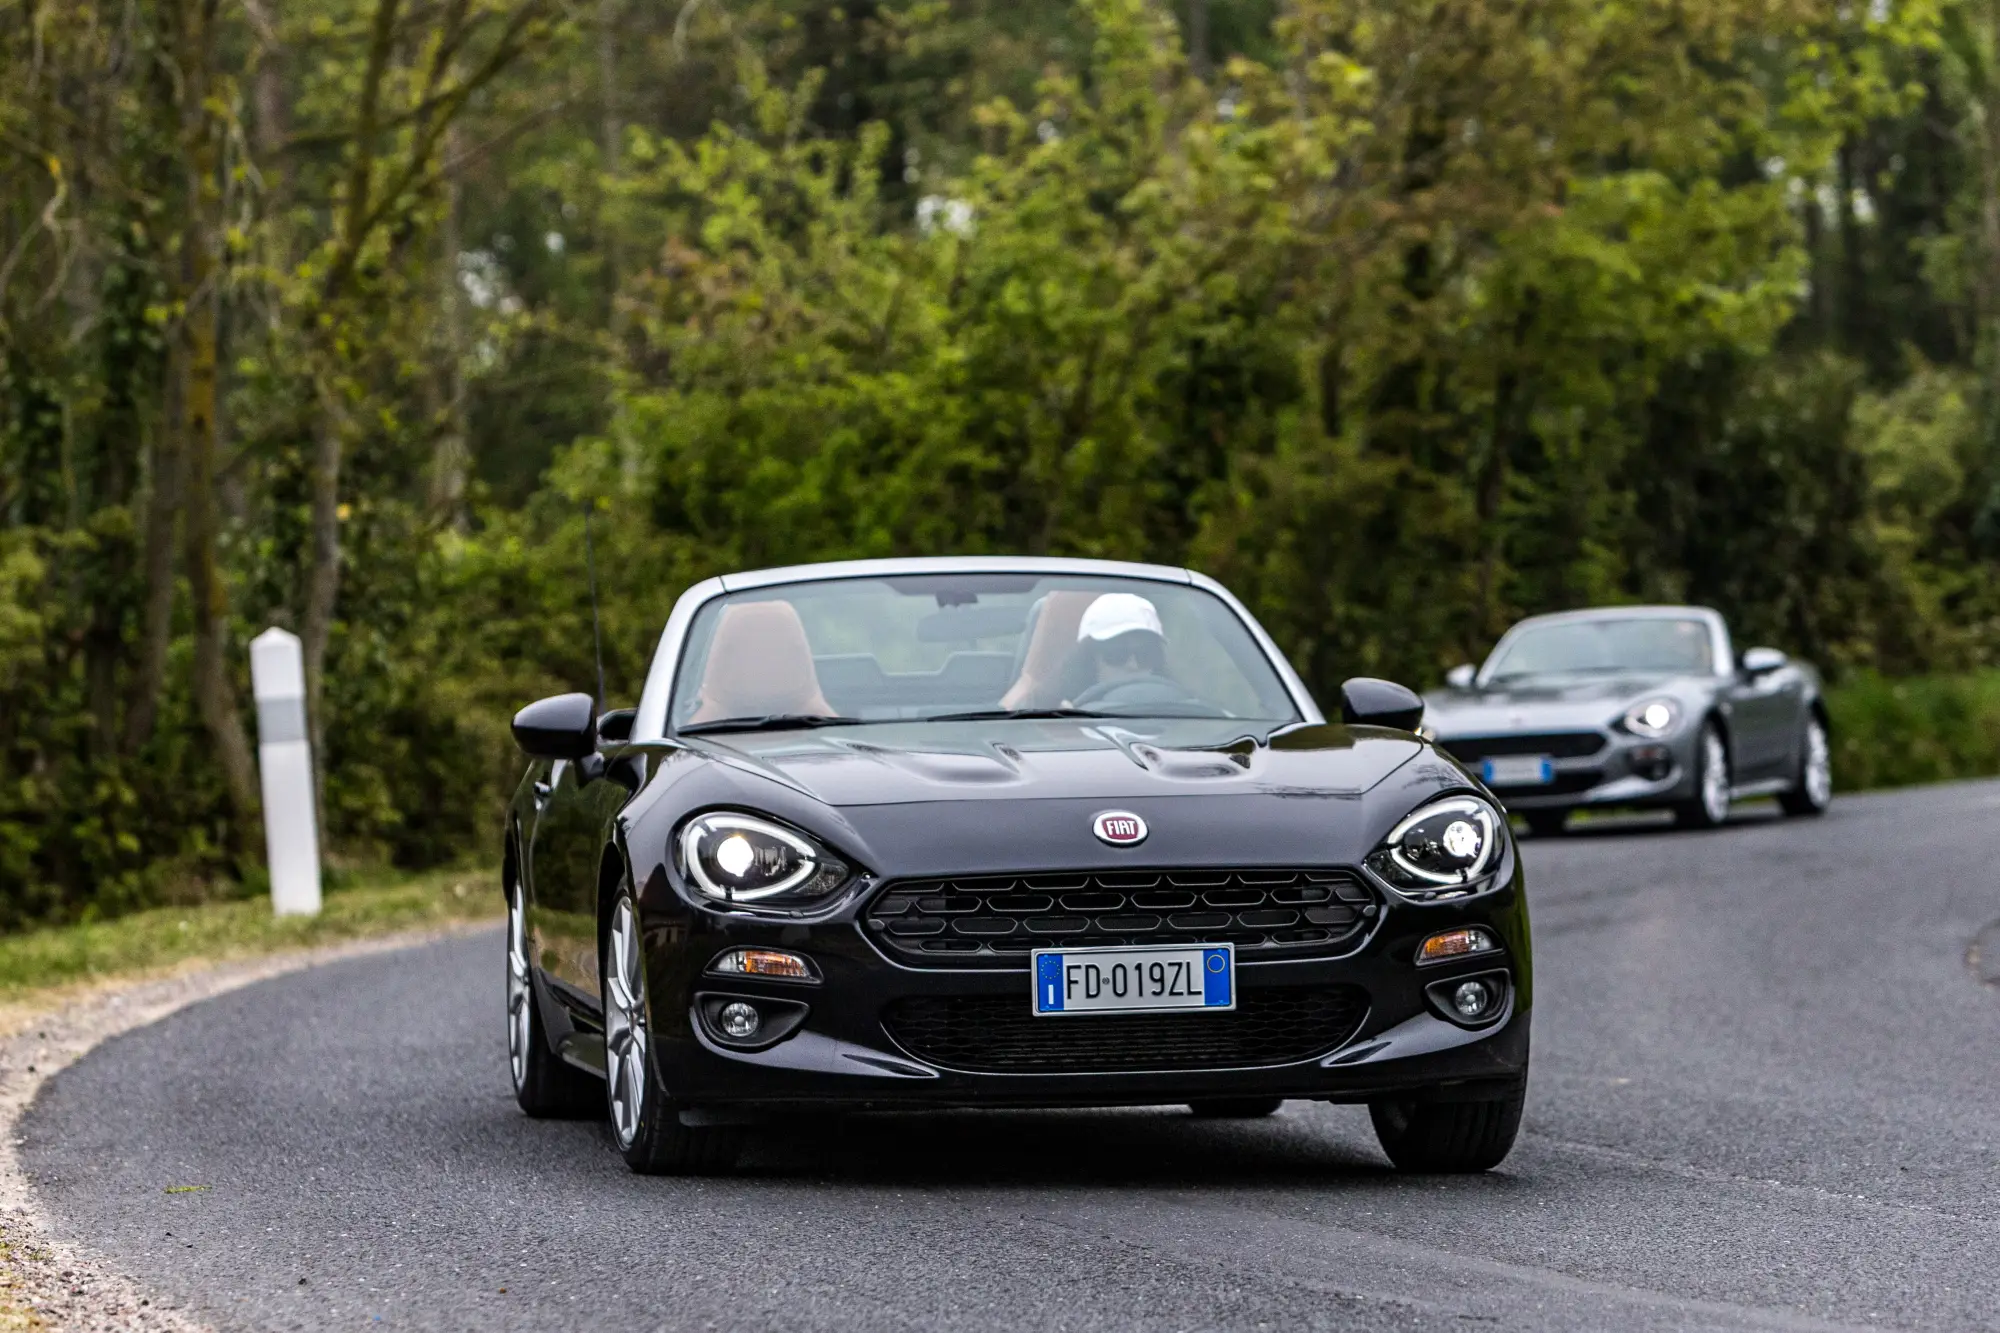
<point x="1001" y="832"/>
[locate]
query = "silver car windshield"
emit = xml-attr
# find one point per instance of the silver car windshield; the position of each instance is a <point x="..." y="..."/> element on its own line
<point x="1652" y="644"/>
<point x="972" y="644"/>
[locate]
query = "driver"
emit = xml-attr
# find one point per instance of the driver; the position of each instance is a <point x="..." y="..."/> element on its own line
<point x="1120" y="641"/>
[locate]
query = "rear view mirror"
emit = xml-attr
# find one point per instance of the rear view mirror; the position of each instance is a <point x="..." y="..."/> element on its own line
<point x="563" y="726"/>
<point x="1763" y="661"/>
<point x="1460" y="676"/>
<point x="1368" y="702"/>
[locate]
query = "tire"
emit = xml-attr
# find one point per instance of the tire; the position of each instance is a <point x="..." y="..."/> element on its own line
<point x="645" y="1123"/>
<point x="1811" y="791"/>
<point x="1449" y="1138"/>
<point x="1236" y="1108"/>
<point x="1710" y="806"/>
<point x="1547" y="823"/>
<point x="547" y="1086"/>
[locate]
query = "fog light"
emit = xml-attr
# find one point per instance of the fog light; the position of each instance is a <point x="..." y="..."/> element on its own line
<point x="1471" y="999"/>
<point x="739" y="1021"/>
<point x="764" y="963"/>
<point x="1457" y="944"/>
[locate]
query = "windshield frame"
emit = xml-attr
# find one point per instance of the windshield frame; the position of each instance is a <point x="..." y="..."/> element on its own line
<point x="1722" y="660"/>
<point x="650" y="723"/>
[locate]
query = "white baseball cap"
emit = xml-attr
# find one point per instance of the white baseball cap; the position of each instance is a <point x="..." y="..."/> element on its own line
<point x="1117" y="613"/>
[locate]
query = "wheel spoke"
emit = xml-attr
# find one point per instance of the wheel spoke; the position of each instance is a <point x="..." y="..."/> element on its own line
<point x="625" y="1023"/>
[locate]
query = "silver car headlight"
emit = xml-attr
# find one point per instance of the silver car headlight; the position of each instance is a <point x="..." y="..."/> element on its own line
<point x="743" y="860"/>
<point x="1447" y="849"/>
<point x="1652" y="718"/>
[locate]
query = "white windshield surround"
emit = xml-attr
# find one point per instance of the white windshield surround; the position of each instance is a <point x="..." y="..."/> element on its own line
<point x="655" y="699"/>
<point x="1722" y="658"/>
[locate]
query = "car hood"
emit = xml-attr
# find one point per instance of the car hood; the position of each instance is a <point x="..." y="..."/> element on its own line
<point x="1065" y="759"/>
<point x="1547" y="703"/>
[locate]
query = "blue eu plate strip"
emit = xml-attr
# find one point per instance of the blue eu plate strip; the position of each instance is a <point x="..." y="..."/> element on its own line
<point x="1048" y="983"/>
<point x="1215" y="979"/>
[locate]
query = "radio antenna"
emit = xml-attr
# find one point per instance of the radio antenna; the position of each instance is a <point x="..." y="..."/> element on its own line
<point x="596" y="633"/>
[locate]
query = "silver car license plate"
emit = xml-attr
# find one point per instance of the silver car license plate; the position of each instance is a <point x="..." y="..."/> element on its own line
<point x="1519" y="770"/>
<point x="1138" y="980"/>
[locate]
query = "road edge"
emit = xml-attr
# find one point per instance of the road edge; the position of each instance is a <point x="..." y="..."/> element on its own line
<point x="48" y="1282"/>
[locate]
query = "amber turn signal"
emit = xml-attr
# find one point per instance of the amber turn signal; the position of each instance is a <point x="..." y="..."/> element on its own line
<point x="1457" y="944"/>
<point x="775" y="963"/>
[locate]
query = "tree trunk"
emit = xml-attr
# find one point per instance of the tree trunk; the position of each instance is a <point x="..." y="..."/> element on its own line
<point x="451" y="458"/>
<point x="323" y="574"/>
<point x="163" y="507"/>
<point x="1199" y="59"/>
<point x="214" y="689"/>
<point x="196" y="357"/>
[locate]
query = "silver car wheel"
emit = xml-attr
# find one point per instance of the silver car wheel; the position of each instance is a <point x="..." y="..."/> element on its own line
<point x="1819" y="766"/>
<point x="1714" y="777"/>
<point x="625" y="1023"/>
<point x="520" y="1013"/>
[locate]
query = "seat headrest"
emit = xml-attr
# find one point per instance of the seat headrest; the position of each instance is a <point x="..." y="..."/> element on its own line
<point x="760" y="662"/>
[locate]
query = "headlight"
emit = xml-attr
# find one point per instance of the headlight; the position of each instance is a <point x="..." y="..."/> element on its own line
<point x="740" y="859"/>
<point x="1442" y="850"/>
<point x="1653" y="719"/>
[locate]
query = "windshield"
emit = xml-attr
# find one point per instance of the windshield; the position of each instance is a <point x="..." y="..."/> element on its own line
<point x="983" y="645"/>
<point x="1639" y="644"/>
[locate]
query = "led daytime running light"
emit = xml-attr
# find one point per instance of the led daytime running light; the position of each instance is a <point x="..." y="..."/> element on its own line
<point x="732" y="841"/>
<point x="1475" y="812"/>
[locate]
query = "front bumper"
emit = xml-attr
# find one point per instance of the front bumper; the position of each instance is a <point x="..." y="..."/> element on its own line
<point x="844" y="1054"/>
<point x="1625" y="771"/>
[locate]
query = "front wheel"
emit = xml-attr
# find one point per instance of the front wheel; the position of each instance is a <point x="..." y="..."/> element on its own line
<point x="1710" y="806"/>
<point x="645" y="1123"/>
<point x="1812" y="789"/>
<point x="546" y="1085"/>
<point x="1449" y="1138"/>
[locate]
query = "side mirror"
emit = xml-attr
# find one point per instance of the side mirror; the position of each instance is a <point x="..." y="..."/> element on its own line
<point x="1365" y="701"/>
<point x="616" y="725"/>
<point x="563" y="726"/>
<point x="1763" y="661"/>
<point x="1460" y="676"/>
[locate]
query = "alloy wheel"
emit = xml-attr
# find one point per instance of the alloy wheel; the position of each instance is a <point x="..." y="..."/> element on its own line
<point x="1714" y="777"/>
<point x="1819" y="767"/>
<point x="625" y="1023"/>
<point x="520" y="1012"/>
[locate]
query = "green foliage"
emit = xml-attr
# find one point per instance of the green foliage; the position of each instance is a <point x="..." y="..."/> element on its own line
<point x="1889" y="733"/>
<point x="1403" y="317"/>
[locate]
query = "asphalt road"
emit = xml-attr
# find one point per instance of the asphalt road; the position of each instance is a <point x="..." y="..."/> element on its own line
<point x="1763" y="1097"/>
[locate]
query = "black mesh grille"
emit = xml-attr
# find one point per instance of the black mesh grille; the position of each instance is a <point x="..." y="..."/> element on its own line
<point x="999" y="919"/>
<point x="1556" y="745"/>
<point x="997" y="1033"/>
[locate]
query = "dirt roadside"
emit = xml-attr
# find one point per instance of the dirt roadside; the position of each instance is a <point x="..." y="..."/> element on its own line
<point x="47" y="1283"/>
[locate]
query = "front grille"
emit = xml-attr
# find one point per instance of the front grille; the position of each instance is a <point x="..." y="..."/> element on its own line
<point x="998" y="919"/>
<point x="1555" y="744"/>
<point x="997" y="1034"/>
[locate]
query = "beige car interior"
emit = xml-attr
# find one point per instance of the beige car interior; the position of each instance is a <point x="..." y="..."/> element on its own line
<point x="760" y="663"/>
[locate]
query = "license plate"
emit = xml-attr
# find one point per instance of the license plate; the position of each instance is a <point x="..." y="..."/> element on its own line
<point x="1140" y="980"/>
<point x="1519" y="770"/>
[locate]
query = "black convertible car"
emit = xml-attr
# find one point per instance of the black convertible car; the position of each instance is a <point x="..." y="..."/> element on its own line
<point x="1003" y="832"/>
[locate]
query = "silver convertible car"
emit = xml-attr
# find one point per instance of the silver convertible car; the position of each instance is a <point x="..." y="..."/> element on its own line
<point x="1646" y="706"/>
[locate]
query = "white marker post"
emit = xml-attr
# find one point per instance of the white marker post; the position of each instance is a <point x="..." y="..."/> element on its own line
<point x="284" y="759"/>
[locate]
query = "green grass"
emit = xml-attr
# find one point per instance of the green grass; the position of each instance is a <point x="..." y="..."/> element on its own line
<point x="1892" y="733"/>
<point x="150" y="941"/>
